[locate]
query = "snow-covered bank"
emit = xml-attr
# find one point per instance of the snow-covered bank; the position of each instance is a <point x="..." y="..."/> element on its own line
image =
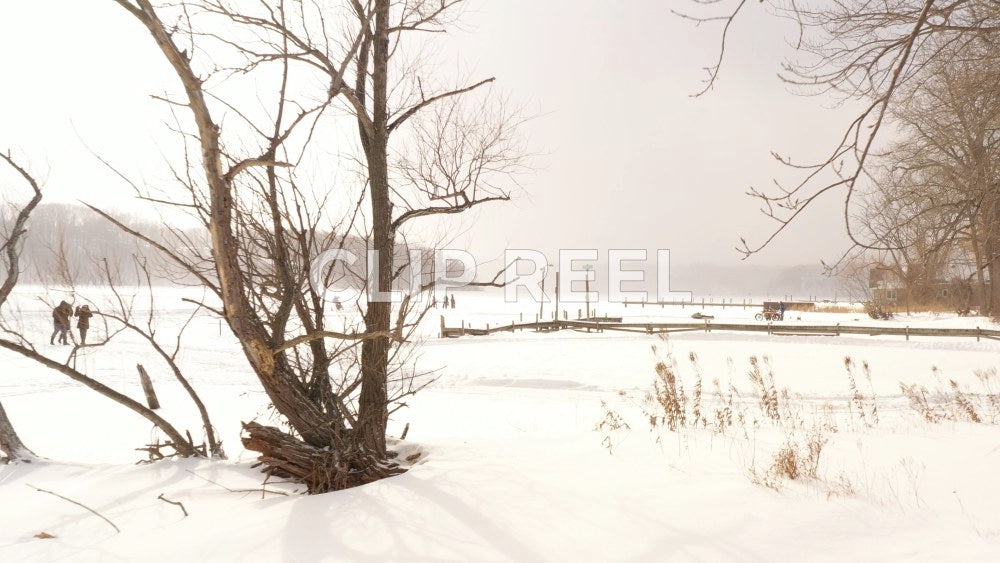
<point x="511" y="467"/>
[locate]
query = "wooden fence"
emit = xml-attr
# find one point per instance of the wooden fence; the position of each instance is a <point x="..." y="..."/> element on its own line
<point x="731" y="303"/>
<point x="599" y="326"/>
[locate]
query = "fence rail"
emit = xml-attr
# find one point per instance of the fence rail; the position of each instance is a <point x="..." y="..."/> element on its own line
<point x="708" y="326"/>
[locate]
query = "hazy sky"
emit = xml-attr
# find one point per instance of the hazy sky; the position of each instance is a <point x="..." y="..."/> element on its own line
<point x="628" y="158"/>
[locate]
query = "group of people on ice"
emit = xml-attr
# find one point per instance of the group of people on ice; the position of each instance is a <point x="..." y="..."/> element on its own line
<point x="62" y="320"/>
<point x="434" y="303"/>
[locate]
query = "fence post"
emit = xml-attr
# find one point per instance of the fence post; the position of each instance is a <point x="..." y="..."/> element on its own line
<point x="907" y="332"/>
<point x="442" y="327"/>
<point x="978" y="331"/>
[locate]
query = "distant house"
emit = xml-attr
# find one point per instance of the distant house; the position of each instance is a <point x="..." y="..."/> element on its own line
<point x="885" y="286"/>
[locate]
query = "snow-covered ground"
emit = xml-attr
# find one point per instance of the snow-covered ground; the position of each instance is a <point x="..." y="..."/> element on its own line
<point x="513" y="466"/>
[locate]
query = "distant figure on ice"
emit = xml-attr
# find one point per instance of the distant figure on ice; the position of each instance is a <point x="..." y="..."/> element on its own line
<point x="781" y="309"/>
<point x="445" y="301"/>
<point x="60" y="319"/>
<point x="83" y="313"/>
<point x="452" y="300"/>
<point x="337" y="303"/>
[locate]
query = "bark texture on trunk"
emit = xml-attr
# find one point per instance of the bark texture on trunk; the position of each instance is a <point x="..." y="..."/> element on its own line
<point x="10" y="443"/>
<point x="373" y="407"/>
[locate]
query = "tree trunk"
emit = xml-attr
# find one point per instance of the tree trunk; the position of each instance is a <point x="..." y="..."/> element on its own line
<point x="287" y="394"/>
<point x="994" y="292"/>
<point x="372" y="407"/>
<point x="10" y="442"/>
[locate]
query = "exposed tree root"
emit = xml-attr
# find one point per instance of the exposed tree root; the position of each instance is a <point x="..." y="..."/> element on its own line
<point x="320" y="469"/>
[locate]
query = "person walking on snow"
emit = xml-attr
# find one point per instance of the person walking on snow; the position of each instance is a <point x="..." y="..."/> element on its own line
<point x="83" y="313"/>
<point x="61" y="322"/>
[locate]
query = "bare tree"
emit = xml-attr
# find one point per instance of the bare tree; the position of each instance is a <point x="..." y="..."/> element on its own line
<point x="268" y="221"/>
<point x="935" y="193"/>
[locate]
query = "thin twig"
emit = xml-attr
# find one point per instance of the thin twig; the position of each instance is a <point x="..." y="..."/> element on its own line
<point x="175" y="503"/>
<point x="263" y="490"/>
<point x="81" y="505"/>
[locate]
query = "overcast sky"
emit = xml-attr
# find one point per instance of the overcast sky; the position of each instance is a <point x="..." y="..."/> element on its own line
<point x="628" y="158"/>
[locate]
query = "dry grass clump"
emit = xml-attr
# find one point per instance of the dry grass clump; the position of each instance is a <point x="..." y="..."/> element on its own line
<point x="763" y="383"/>
<point x="866" y="409"/>
<point x="793" y="461"/>
<point x="955" y="404"/>
<point x="612" y="421"/>
<point x="668" y="394"/>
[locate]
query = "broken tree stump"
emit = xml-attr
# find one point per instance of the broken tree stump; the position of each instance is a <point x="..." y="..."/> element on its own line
<point x="147" y="388"/>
